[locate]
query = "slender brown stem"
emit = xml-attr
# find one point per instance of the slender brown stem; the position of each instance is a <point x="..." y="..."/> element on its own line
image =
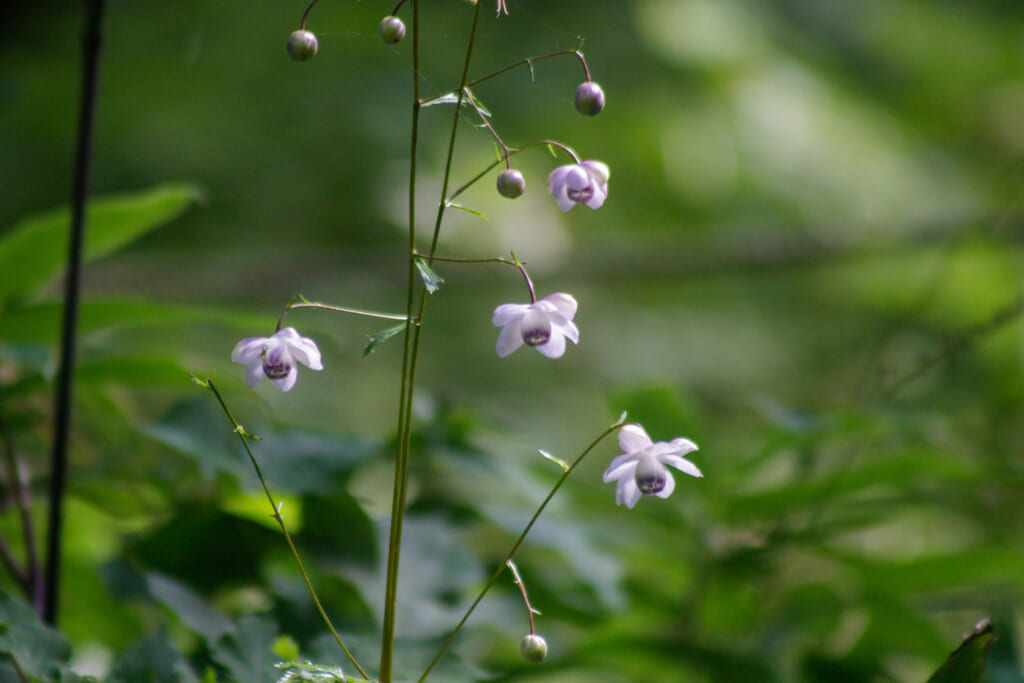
<point x="91" y="44"/>
<point x="527" y="60"/>
<point x="518" y="580"/>
<point x="302" y="24"/>
<point x="336" y="309"/>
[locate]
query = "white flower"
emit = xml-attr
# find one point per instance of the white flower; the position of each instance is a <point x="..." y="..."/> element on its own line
<point x="274" y="357"/>
<point x="641" y="469"/>
<point x="544" y="325"/>
<point x="584" y="183"/>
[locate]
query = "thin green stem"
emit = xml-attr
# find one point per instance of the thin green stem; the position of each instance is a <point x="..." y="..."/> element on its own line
<point x="518" y="580"/>
<point x="515" y="546"/>
<point x="244" y="437"/>
<point x="511" y="151"/>
<point x="337" y="309"/>
<point x="527" y="60"/>
<point x="404" y="421"/>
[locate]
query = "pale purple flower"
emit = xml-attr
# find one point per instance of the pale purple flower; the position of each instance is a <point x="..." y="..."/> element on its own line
<point x="544" y="325"/>
<point x="583" y="183"/>
<point x="641" y="469"/>
<point x="275" y="357"/>
<point x="502" y="7"/>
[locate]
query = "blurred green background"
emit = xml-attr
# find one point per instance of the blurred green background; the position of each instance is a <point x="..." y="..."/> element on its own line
<point x="809" y="263"/>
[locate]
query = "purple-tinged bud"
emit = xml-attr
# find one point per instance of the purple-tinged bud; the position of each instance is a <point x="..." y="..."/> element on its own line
<point x="302" y="45"/>
<point x="511" y="183"/>
<point x="589" y="98"/>
<point x="534" y="648"/>
<point x="391" y="30"/>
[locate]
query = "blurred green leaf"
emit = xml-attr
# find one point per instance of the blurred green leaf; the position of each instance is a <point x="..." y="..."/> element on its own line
<point x="34" y="251"/>
<point x="967" y="663"/>
<point x="39" y="651"/>
<point x="153" y="660"/>
<point x="248" y="653"/>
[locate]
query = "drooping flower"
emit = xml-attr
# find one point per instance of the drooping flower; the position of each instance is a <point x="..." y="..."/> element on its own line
<point x="583" y="183"/>
<point x="641" y="469"/>
<point x="544" y="325"/>
<point x="275" y="357"/>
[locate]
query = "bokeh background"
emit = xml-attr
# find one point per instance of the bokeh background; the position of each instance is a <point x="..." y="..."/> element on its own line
<point x="809" y="263"/>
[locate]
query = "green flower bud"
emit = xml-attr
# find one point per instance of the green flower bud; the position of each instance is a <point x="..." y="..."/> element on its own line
<point x="534" y="648"/>
<point x="391" y="30"/>
<point x="589" y="98"/>
<point x="511" y="183"/>
<point x="302" y="45"/>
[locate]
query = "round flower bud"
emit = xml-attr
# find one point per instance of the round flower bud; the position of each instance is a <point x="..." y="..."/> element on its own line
<point x="302" y="45"/>
<point x="511" y="183"/>
<point x="391" y="30"/>
<point x="534" y="648"/>
<point x="589" y="98"/>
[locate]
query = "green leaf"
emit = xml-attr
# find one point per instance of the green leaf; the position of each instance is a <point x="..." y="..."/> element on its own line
<point x="456" y="205"/>
<point x="38" y="650"/>
<point x="379" y="338"/>
<point x="967" y="663"/>
<point x="153" y="660"/>
<point x="431" y="280"/>
<point x="190" y="608"/>
<point x="249" y="654"/>
<point x="35" y="250"/>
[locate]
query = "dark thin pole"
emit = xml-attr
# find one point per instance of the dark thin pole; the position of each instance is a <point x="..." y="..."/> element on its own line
<point x="72" y="288"/>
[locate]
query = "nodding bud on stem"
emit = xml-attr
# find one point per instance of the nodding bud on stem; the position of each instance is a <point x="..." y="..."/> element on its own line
<point x="534" y="648"/>
<point x="302" y="45"/>
<point x="589" y="98"/>
<point x="511" y="183"/>
<point x="391" y="30"/>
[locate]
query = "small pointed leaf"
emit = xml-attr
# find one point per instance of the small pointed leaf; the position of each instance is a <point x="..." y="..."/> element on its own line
<point x="431" y="280"/>
<point x="379" y="338"/>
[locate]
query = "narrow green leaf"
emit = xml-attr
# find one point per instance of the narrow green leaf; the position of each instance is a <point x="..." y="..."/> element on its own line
<point x="967" y="663"/>
<point x="431" y="280"/>
<point x="34" y="251"/>
<point x="561" y="463"/>
<point x="39" y="651"/>
<point x="456" y="205"/>
<point x="453" y="98"/>
<point x="379" y="338"/>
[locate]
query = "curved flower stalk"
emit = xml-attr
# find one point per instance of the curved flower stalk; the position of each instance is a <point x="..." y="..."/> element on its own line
<point x="582" y="183"/>
<point x="275" y="357"/>
<point x="545" y="325"/>
<point x="641" y="469"/>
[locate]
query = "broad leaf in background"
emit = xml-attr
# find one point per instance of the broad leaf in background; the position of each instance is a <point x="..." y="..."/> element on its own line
<point x="38" y="651"/>
<point x="34" y="251"/>
<point x="248" y="653"/>
<point x="153" y="659"/>
<point x="967" y="663"/>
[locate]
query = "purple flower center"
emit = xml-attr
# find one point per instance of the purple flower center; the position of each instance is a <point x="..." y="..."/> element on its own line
<point x="276" y="365"/>
<point x="536" y="328"/>
<point x="651" y="476"/>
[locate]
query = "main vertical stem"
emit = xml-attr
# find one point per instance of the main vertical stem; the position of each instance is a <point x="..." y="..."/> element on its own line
<point x="412" y="338"/>
<point x="72" y="287"/>
<point x="404" y="429"/>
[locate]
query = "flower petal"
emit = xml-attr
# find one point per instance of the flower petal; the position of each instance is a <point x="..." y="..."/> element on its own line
<point x="620" y="466"/>
<point x="670" y="486"/>
<point x="564" y="303"/>
<point x="627" y="493"/>
<point x="302" y="348"/>
<point x="681" y="464"/>
<point x="556" y="179"/>
<point x="578" y="179"/>
<point x="248" y="350"/>
<point x="506" y="313"/>
<point x="510" y="339"/>
<point x="597" y="197"/>
<point x="253" y="373"/>
<point x="683" y="446"/>
<point x="562" y="197"/>
<point x="554" y="347"/>
<point x="288" y="381"/>
<point x="633" y="438"/>
<point x="599" y="170"/>
<point x="569" y="329"/>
